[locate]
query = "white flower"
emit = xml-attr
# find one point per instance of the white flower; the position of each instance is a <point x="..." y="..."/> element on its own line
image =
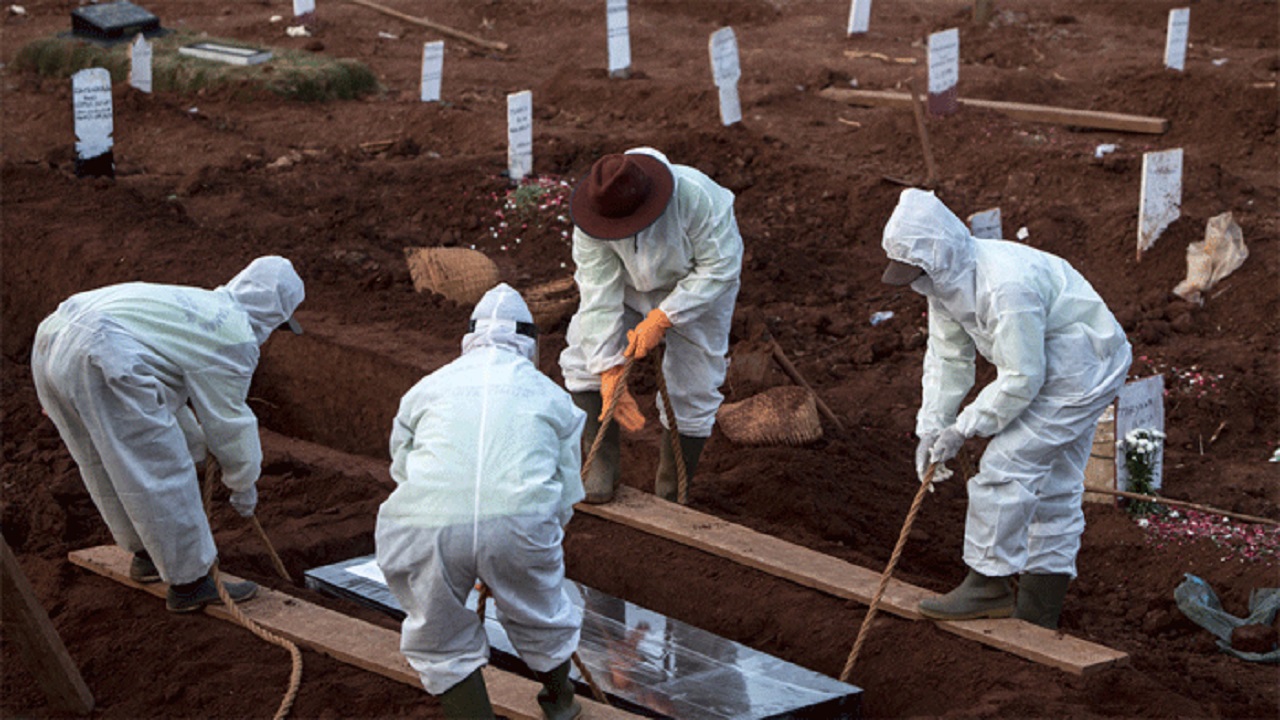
<point x="1143" y="522"/>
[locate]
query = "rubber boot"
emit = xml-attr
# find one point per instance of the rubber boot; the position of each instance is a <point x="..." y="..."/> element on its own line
<point x="192" y="597"/>
<point x="468" y="700"/>
<point x="602" y="478"/>
<point x="978" y="596"/>
<point x="556" y="696"/>
<point x="667" y="484"/>
<point x="142" y="569"/>
<point x="1040" y="599"/>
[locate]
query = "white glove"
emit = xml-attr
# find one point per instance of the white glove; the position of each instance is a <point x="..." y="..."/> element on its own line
<point x="922" y="453"/>
<point x="244" y="501"/>
<point x="947" y="445"/>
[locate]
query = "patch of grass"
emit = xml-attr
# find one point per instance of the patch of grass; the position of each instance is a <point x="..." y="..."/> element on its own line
<point x="290" y="74"/>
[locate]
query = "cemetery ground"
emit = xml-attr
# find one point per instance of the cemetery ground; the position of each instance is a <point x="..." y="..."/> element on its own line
<point x="209" y="180"/>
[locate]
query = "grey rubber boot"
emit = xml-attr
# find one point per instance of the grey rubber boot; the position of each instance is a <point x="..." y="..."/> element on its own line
<point x="556" y="697"/>
<point x="667" y="484"/>
<point x="978" y="596"/>
<point x="468" y="700"/>
<point x="602" y="478"/>
<point x="142" y="569"/>
<point x="192" y="597"/>
<point x="1040" y="599"/>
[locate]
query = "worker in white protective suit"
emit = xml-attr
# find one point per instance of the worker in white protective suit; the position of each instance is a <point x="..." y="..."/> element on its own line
<point x="119" y="371"/>
<point x="486" y="457"/>
<point x="1060" y="358"/>
<point x="657" y="249"/>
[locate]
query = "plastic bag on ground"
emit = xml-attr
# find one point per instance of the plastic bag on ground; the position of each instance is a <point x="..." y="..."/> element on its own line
<point x="1209" y="261"/>
<point x="1198" y="602"/>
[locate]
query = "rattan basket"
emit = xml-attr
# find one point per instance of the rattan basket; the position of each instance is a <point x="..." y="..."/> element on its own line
<point x="552" y="302"/>
<point x="786" y="415"/>
<point x="461" y="275"/>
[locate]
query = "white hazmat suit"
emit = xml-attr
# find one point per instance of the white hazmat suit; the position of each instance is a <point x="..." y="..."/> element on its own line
<point x="1060" y="357"/>
<point x="486" y="457"/>
<point x="115" y="369"/>
<point x="688" y="264"/>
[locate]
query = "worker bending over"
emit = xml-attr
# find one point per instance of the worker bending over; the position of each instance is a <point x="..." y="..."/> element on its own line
<point x="1060" y="358"/>
<point x="657" y="249"/>
<point x="485" y="453"/>
<point x="115" y="369"/>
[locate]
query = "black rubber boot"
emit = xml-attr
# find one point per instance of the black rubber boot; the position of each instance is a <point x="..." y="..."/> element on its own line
<point x="191" y="597"/>
<point x="602" y="478"/>
<point x="667" y="484"/>
<point x="1040" y="599"/>
<point x="468" y="700"/>
<point x="978" y="596"/>
<point x="556" y="696"/>
<point x="142" y="569"/>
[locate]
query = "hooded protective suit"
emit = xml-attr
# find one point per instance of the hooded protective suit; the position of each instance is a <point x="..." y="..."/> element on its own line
<point x="115" y="369"/>
<point x="1060" y="357"/>
<point x="688" y="264"/>
<point x="486" y="456"/>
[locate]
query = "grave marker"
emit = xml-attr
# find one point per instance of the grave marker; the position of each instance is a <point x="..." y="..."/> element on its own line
<point x="725" y="71"/>
<point x="986" y="224"/>
<point x="859" y="17"/>
<point x="432" y="70"/>
<point x="140" y="64"/>
<point x="944" y="72"/>
<point x="1175" y="46"/>
<point x="112" y="22"/>
<point x="1160" y="196"/>
<point x="519" y="135"/>
<point x="1140" y="406"/>
<point x="303" y="7"/>
<point x="619" y="34"/>
<point x="94" y="123"/>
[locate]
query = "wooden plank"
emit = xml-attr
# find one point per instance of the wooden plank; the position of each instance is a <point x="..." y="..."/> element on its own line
<point x="810" y="568"/>
<point x="1019" y="111"/>
<point x="343" y="638"/>
<point x="38" y="641"/>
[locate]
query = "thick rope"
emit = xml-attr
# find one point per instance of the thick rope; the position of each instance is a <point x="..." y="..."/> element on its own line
<point x="888" y="571"/>
<point x="295" y="656"/>
<point x="673" y="437"/>
<point x="608" y="418"/>
<point x="271" y="549"/>
<point x="483" y="599"/>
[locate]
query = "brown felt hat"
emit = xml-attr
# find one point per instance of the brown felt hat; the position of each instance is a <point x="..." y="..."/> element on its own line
<point x="622" y="195"/>
<point x="900" y="273"/>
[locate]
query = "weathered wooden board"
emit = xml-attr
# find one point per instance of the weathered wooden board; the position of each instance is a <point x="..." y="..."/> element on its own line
<point x="810" y="568"/>
<point x="1019" y="111"/>
<point x="344" y="638"/>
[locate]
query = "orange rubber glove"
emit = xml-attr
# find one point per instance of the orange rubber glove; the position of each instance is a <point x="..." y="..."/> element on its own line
<point x="627" y="413"/>
<point x="648" y="334"/>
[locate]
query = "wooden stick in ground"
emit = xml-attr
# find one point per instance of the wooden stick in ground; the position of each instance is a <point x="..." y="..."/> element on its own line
<point x="888" y="572"/>
<point x="442" y="29"/>
<point x="918" y="110"/>
<point x="1184" y="503"/>
<point x="796" y="377"/>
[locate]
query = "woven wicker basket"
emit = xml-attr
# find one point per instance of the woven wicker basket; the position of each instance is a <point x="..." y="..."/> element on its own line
<point x="786" y="415"/>
<point x="461" y="275"/>
<point x="552" y="302"/>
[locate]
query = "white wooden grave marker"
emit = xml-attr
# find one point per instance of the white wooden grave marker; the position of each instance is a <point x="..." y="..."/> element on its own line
<point x="1160" y="197"/>
<point x="619" y="34"/>
<point x="1140" y="406"/>
<point x="303" y="7"/>
<point x="94" y="122"/>
<point x="432" y="70"/>
<point x="140" y="64"/>
<point x="986" y="224"/>
<point x="519" y="135"/>
<point x="944" y="72"/>
<point x="725" y="70"/>
<point x="1175" y="46"/>
<point x="859" y="17"/>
